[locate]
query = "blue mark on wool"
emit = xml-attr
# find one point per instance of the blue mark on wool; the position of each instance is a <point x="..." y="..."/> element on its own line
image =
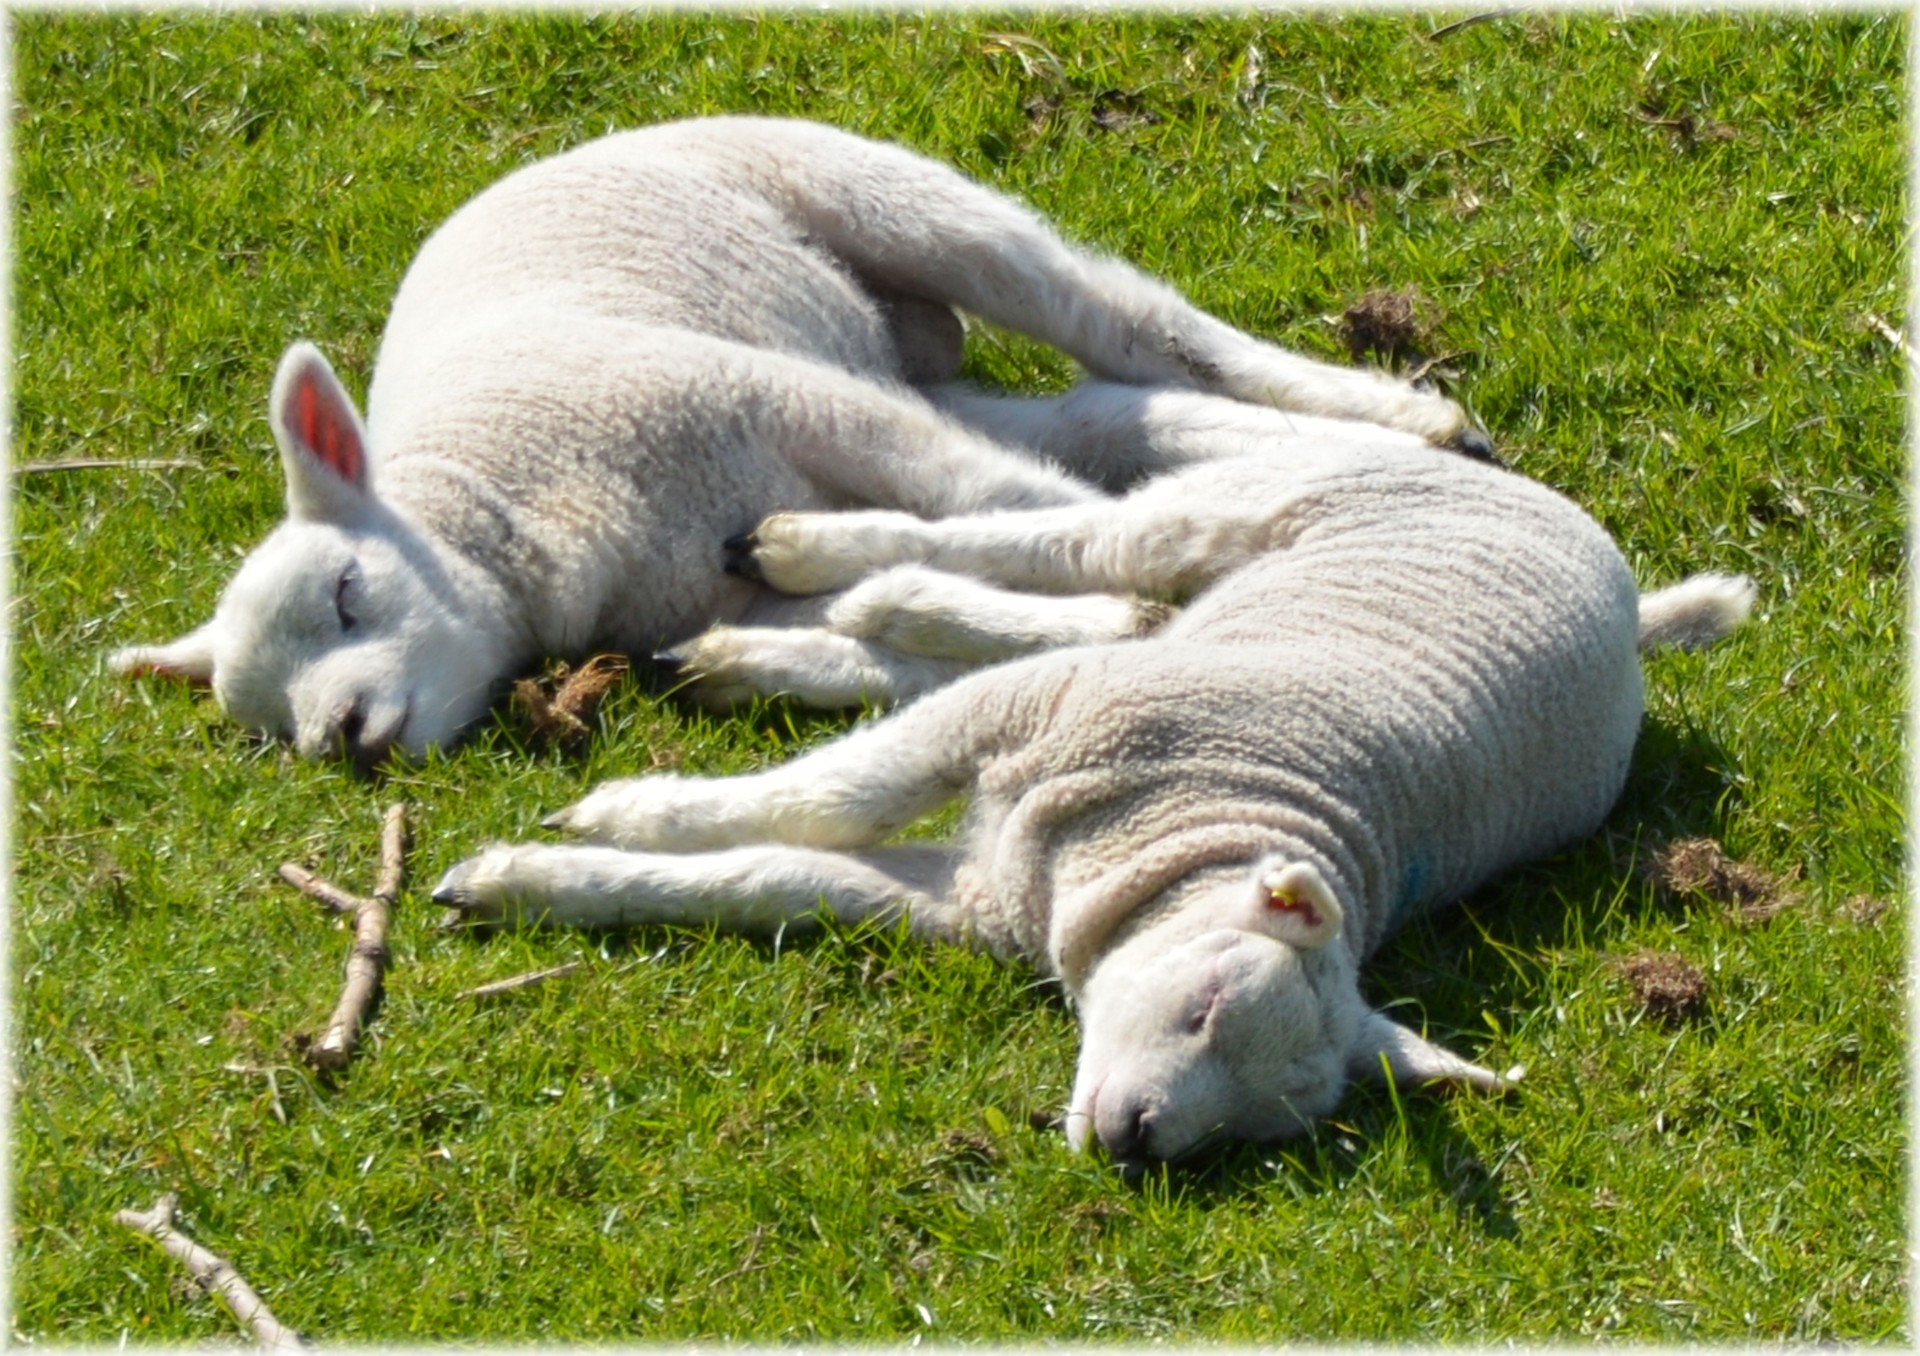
<point x="1413" y="884"/>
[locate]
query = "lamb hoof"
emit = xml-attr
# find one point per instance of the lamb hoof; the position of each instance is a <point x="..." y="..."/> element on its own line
<point x="669" y="663"/>
<point x="739" y="558"/>
<point x="1472" y="442"/>
<point x="455" y="891"/>
<point x="477" y="892"/>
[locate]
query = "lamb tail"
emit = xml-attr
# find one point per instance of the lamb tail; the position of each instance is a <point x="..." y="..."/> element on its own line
<point x="1695" y="612"/>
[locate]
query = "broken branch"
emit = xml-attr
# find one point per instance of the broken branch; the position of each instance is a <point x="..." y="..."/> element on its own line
<point x="526" y="981"/>
<point x="367" y="961"/>
<point x="1887" y="332"/>
<point x="1469" y="22"/>
<point x="42" y="468"/>
<point x="213" y="1274"/>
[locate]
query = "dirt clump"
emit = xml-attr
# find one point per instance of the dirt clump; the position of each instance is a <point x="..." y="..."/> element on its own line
<point x="1391" y="322"/>
<point x="557" y="705"/>
<point x="1669" y="988"/>
<point x="1699" y="868"/>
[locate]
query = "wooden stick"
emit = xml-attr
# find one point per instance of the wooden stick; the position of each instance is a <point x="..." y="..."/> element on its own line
<point x="272" y="1076"/>
<point x="526" y="981"/>
<point x="1469" y="22"/>
<point x="41" y="468"/>
<point x="212" y="1273"/>
<point x="367" y="961"/>
<point x="393" y="854"/>
<point x="313" y="887"/>
<point x="1887" y="332"/>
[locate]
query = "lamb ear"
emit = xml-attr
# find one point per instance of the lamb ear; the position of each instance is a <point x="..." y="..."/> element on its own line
<point x="323" y="446"/>
<point x="1413" y="1061"/>
<point x="190" y="657"/>
<point x="1294" y="904"/>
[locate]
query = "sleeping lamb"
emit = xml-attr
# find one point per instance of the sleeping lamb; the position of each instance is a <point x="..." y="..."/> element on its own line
<point x="1400" y="673"/>
<point x="610" y="360"/>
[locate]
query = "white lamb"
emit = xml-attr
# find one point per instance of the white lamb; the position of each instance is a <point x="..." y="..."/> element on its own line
<point x="1402" y="673"/>
<point x="611" y="360"/>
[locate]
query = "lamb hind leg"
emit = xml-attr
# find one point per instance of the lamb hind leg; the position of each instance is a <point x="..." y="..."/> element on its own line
<point x="1116" y="436"/>
<point x="861" y="442"/>
<point x="1167" y="540"/>
<point x="920" y="228"/>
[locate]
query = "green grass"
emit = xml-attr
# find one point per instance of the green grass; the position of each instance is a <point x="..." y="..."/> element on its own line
<point x="1654" y="247"/>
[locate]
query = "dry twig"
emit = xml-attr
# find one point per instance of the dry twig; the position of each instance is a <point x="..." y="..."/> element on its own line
<point x="526" y="981"/>
<point x="43" y="468"/>
<point x="1689" y="129"/>
<point x="272" y="1076"/>
<point x="212" y="1273"/>
<point x="367" y="961"/>
<point x="1469" y="22"/>
<point x="747" y="1264"/>
<point x="1879" y="326"/>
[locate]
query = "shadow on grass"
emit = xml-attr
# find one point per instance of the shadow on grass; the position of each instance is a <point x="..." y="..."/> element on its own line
<point x="1340" y="1154"/>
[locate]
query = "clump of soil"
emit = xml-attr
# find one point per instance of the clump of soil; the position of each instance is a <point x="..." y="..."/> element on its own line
<point x="1669" y="989"/>
<point x="1119" y="110"/>
<point x="1391" y="322"/>
<point x="1698" y="868"/>
<point x="965" y="1146"/>
<point x="1687" y="128"/>
<point x="1863" y="909"/>
<point x="558" y="704"/>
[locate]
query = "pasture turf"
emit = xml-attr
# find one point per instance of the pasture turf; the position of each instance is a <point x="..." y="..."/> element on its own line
<point x="1662" y="258"/>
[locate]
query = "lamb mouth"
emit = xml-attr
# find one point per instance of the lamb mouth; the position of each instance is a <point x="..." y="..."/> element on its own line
<point x="1078" y="1122"/>
<point x="1204" y="1147"/>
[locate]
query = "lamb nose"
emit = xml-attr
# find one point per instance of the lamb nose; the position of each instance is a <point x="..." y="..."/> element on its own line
<point x="1128" y="1141"/>
<point x="350" y="727"/>
<point x="348" y="724"/>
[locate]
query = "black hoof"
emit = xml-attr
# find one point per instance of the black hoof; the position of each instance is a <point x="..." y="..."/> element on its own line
<point x="668" y="662"/>
<point x="1473" y="443"/>
<point x="739" y="558"/>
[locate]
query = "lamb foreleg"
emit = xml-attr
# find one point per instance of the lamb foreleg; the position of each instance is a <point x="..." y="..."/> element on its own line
<point x="895" y="635"/>
<point x="762" y="889"/>
<point x="715" y="849"/>
<point x="853" y="792"/>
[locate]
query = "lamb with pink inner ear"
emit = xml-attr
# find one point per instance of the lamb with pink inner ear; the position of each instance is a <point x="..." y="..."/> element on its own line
<point x="1396" y="674"/>
<point x="610" y="361"/>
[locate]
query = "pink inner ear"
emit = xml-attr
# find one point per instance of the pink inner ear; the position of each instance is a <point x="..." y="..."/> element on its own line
<point x="328" y="430"/>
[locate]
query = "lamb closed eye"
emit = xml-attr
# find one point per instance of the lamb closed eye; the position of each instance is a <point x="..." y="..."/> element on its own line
<point x="1202" y="1013"/>
<point x="347" y="583"/>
